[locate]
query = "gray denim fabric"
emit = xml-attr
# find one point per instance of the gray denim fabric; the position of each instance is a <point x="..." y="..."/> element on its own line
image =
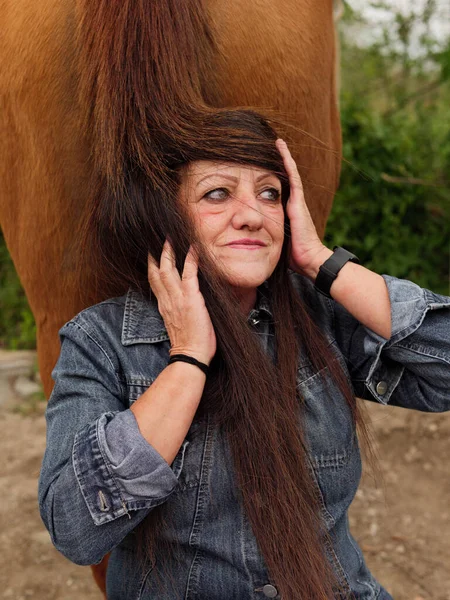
<point x="100" y="477"/>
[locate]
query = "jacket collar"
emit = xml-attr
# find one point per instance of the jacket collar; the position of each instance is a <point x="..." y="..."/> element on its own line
<point x="143" y="324"/>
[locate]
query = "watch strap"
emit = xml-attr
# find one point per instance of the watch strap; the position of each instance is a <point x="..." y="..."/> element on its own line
<point x="329" y="270"/>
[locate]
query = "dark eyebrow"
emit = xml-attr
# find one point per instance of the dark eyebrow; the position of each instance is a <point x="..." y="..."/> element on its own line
<point x="264" y="175"/>
<point x="230" y="177"/>
<point x="235" y="179"/>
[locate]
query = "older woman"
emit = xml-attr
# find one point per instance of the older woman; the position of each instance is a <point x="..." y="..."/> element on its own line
<point x="203" y="431"/>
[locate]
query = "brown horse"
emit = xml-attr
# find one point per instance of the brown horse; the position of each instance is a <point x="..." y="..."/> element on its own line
<point x="77" y="76"/>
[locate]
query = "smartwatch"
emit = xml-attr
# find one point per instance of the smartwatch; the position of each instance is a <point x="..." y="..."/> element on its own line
<point x="330" y="269"/>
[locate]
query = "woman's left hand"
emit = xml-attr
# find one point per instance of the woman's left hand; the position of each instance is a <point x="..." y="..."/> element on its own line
<point x="307" y="252"/>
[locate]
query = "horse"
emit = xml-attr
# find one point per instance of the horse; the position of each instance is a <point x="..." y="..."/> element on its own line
<point x="76" y="78"/>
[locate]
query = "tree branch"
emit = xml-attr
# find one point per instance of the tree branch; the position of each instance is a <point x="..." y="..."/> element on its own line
<point x="417" y="94"/>
<point x="413" y="181"/>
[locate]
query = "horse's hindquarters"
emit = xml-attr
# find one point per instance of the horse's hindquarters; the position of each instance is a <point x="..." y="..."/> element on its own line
<point x="281" y="55"/>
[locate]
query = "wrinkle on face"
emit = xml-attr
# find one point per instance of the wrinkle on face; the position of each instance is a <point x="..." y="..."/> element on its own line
<point x="230" y="202"/>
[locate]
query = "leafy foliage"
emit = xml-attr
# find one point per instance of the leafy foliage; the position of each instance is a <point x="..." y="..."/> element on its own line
<point x="393" y="206"/>
<point x="17" y="326"/>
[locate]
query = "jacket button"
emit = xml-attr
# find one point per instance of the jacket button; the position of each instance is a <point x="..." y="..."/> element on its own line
<point x="381" y="388"/>
<point x="270" y="591"/>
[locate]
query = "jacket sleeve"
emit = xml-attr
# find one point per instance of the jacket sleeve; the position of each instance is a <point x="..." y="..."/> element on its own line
<point x="99" y="476"/>
<point x="412" y="368"/>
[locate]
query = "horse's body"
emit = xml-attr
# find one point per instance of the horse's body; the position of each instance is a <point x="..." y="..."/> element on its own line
<point x="278" y="55"/>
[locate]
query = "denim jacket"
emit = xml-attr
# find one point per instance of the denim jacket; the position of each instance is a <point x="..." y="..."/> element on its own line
<point x="100" y="477"/>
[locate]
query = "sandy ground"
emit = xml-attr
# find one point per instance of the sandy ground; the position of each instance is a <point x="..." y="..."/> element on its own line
<point x="403" y="526"/>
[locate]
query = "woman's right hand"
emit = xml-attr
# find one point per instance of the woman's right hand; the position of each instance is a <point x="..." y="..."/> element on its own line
<point x="182" y="305"/>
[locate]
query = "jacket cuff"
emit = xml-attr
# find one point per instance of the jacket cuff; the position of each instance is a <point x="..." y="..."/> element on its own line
<point x="121" y="474"/>
<point x="409" y="306"/>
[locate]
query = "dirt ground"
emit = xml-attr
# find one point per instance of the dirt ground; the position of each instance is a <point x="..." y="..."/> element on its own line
<point x="403" y="526"/>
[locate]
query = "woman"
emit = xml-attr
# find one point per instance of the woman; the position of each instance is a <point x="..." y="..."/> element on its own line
<point x="255" y="413"/>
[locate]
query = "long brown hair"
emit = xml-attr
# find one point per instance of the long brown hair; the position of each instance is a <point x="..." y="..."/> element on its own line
<point x="147" y="127"/>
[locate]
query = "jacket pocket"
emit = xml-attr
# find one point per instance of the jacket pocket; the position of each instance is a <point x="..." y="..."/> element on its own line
<point x="331" y="440"/>
<point x="135" y="387"/>
<point x="327" y="420"/>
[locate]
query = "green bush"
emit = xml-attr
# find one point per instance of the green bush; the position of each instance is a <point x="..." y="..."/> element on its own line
<point x="17" y="326"/>
<point x="393" y="205"/>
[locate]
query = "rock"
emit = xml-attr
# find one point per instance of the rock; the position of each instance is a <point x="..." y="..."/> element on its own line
<point x="25" y="387"/>
<point x="407" y="519"/>
<point x="413" y="454"/>
<point x="17" y="362"/>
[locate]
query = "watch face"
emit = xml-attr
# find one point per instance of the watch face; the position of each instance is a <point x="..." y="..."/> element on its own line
<point x="345" y="254"/>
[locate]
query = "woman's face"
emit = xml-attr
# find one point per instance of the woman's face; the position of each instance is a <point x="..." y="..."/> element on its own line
<point x="239" y="215"/>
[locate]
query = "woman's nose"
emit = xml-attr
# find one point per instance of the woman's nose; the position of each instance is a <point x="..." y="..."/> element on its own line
<point x="247" y="212"/>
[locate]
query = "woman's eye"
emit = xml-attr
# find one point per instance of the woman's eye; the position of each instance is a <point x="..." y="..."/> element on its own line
<point x="217" y="194"/>
<point x="271" y="194"/>
<point x="221" y="194"/>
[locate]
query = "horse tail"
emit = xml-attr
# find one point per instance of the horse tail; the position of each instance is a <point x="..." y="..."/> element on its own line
<point x="142" y="64"/>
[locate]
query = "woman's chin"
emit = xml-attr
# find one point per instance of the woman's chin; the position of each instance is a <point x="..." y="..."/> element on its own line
<point x="247" y="279"/>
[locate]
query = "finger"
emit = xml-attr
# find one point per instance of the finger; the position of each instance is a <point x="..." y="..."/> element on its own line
<point x="153" y="276"/>
<point x="167" y="268"/>
<point x="190" y="269"/>
<point x="167" y="260"/>
<point x="290" y="165"/>
<point x="296" y="208"/>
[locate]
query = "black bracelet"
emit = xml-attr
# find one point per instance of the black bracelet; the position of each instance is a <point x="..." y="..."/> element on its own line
<point x="190" y="360"/>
